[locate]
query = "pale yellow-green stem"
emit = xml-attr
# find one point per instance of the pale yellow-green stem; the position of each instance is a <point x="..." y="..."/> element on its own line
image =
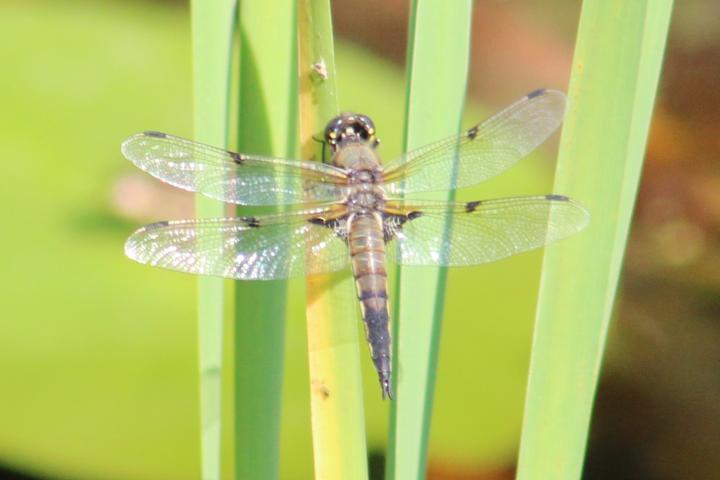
<point x="338" y="423"/>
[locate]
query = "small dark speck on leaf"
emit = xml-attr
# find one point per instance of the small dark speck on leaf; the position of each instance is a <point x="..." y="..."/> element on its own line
<point x="321" y="389"/>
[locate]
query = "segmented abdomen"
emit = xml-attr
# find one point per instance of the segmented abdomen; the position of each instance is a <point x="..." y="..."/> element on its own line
<point x="367" y="250"/>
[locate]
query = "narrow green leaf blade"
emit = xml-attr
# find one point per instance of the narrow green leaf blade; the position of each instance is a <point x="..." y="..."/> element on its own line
<point x="617" y="62"/>
<point x="267" y="126"/>
<point x="438" y="53"/>
<point x="212" y="29"/>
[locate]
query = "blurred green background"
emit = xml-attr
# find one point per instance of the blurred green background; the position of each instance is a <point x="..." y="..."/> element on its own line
<point x="98" y="354"/>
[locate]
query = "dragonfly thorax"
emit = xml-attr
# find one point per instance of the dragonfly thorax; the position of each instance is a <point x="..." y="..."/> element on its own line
<point x="361" y="161"/>
<point x="365" y="199"/>
<point x="363" y="176"/>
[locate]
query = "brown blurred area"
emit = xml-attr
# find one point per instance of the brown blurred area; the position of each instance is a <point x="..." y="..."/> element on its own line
<point x="657" y="414"/>
<point x="515" y="48"/>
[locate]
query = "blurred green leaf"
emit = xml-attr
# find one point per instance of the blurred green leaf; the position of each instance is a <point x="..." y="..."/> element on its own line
<point x="213" y="23"/>
<point x="438" y="55"/>
<point x="267" y="125"/>
<point x="616" y="67"/>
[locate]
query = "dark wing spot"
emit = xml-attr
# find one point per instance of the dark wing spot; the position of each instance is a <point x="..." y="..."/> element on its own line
<point x="338" y="227"/>
<point x="152" y="133"/>
<point x="250" y="221"/>
<point x="472" y="133"/>
<point x="335" y="224"/>
<point x="318" y="221"/>
<point x="560" y="198"/>
<point x="471" y="206"/>
<point x="156" y="225"/>
<point x="536" y="93"/>
<point x="394" y="223"/>
<point x="237" y="158"/>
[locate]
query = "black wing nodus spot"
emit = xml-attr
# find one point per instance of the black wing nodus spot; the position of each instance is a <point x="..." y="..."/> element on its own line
<point x="471" y="206"/>
<point x="400" y="220"/>
<point x="536" y="93"/>
<point x="472" y="133"/>
<point x="153" y="133"/>
<point x="559" y="198"/>
<point x="237" y="158"/>
<point x="252" y="222"/>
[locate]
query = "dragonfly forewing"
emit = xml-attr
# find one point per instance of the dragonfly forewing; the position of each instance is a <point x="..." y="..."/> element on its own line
<point x="481" y="152"/>
<point x="232" y="177"/>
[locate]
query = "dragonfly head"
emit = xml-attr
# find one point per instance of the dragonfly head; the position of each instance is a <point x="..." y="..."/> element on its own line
<point x="350" y="128"/>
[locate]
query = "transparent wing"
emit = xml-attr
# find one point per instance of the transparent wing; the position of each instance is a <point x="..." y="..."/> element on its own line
<point x="483" y="151"/>
<point x="233" y="177"/>
<point x="482" y="231"/>
<point x="246" y="248"/>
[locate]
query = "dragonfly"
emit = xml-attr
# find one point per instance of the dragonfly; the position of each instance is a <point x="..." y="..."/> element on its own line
<point x="352" y="211"/>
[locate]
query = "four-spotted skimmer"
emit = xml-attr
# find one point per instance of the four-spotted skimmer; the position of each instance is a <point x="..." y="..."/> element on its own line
<point x="351" y="212"/>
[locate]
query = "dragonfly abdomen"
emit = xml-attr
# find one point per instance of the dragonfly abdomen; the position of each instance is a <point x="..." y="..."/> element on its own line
<point x="367" y="250"/>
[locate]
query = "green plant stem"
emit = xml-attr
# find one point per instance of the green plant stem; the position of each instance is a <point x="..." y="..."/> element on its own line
<point x="438" y="54"/>
<point x="616" y="67"/>
<point x="267" y="126"/>
<point x="338" y="424"/>
<point x="212" y="27"/>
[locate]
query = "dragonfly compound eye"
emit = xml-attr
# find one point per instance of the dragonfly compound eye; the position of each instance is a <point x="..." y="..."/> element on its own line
<point x="347" y="128"/>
